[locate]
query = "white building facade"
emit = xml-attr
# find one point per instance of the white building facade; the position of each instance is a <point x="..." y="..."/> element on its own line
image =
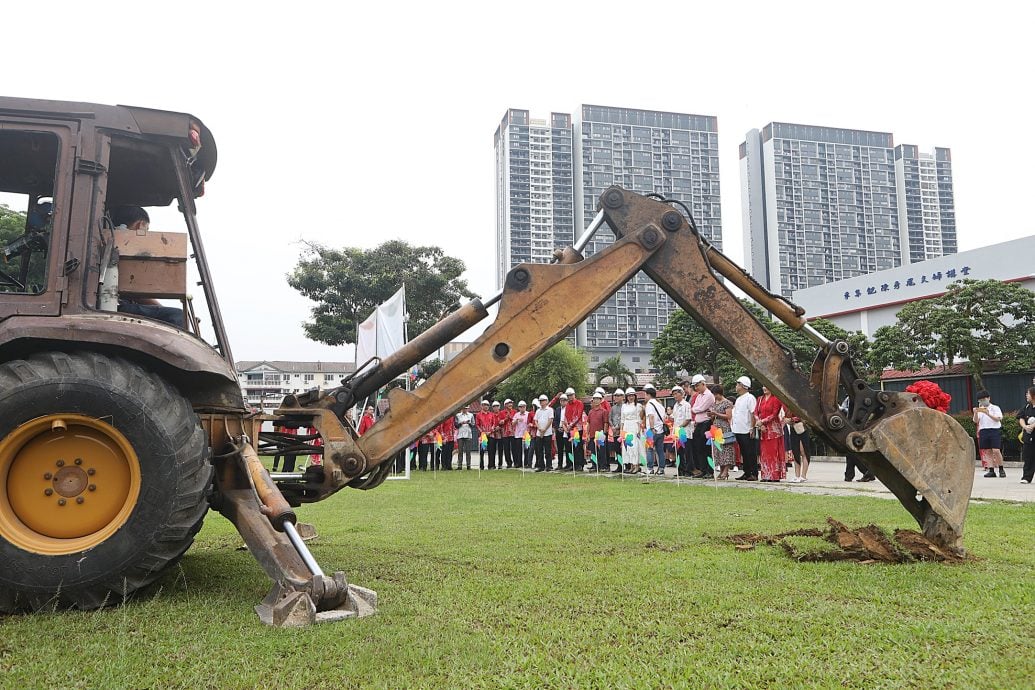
<point x="265" y="383"/>
<point x="865" y="303"/>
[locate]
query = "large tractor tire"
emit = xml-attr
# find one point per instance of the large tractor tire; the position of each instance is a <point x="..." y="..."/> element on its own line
<point x="104" y="480"/>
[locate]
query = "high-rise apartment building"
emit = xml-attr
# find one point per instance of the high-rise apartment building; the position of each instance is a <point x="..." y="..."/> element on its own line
<point x="675" y="154"/>
<point x="926" y="212"/>
<point x="821" y="204"/>
<point x="534" y="189"/>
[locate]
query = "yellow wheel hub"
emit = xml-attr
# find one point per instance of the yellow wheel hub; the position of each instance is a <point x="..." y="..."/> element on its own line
<point x="67" y="483"/>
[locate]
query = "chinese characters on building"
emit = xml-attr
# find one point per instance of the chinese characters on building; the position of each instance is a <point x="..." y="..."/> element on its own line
<point x="913" y="281"/>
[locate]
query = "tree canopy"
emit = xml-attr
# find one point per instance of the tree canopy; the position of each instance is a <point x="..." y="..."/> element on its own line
<point x="684" y="345"/>
<point x="555" y="370"/>
<point x="347" y="285"/>
<point x="979" y="321"/>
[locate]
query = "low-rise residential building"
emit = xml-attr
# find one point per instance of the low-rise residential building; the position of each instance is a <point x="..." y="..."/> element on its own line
<point x="265" y="383"/>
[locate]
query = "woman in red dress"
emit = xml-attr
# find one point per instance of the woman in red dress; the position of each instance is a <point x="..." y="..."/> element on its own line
<point x="771" y="457"/>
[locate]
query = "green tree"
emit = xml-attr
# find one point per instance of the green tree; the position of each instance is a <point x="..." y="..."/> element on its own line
<point x="12" y="224"/>
<point x="555" y="370"/>
<point x="684" y="345"/>
<point x="429" y="367"/>
<point x="892" y="347"/>
<point x="347" y="285"/>
<point x="979" y="321"/>
<point x="613" y="368"/>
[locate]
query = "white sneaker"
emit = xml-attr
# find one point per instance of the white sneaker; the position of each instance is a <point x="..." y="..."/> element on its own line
<point x="802" y="480"/>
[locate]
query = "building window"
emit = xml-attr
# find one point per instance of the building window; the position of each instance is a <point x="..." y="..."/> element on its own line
<point x="309" y="378"/>
<point x="636" y="359"/>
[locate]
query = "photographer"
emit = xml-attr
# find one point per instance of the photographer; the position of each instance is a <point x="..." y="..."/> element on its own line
<point x="989" y="421"/>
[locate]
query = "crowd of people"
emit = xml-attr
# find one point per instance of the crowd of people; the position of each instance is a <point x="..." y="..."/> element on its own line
<point x="702" y="435"/>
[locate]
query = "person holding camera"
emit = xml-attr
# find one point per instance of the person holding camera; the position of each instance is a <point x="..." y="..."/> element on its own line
<point x="1026" y="417"/>
<point x="989" y="421"/>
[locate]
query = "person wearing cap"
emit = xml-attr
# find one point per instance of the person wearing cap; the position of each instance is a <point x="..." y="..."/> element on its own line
<point x="654" y="421"/>
<point x="485" y="420"/>
<point x="543" y="435"/>
<point x="700" y="406"/>
<point x="632" y="421"/>
<point x="506" y="423"/>
<point x="614" y="426"/>
<point x="597" y="420"/>
<point x="573" y="413"/>
<point x="520" y="423"/>
<point x="464" y="422"/>
<point x="741" y="423"/>
<point x="603" y="399"/>
<point x="495" y="445"/>
<point x="682" y="419"/>
<point x="561" y="432"/>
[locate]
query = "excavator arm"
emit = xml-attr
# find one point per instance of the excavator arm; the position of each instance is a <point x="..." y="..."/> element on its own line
<point x="922" y="455"/>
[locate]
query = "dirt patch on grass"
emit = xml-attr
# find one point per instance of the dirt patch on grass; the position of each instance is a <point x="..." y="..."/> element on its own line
<point x="869" y="544"/>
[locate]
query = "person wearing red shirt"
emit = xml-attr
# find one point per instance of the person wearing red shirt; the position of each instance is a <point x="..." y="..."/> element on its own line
<point x="597" y="420"/>
<point x="367" y="421"/>
<point x="573" y="413"/>
<point x="504" y="446"/>
<point x="485" y="421"/>
<point x="444" y="455"/>
<point x="771" y="458"/>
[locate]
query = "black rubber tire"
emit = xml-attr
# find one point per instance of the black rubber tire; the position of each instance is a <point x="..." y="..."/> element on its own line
<point x="175" y="478"/>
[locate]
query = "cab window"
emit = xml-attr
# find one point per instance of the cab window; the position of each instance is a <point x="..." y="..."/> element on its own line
<point x="28" y="161"/>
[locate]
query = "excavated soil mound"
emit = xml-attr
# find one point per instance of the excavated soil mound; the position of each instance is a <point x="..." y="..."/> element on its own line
<point x="867" y="544"/>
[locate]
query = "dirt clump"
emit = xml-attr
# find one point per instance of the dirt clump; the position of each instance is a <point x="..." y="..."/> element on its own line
<point x="864" y="545"/>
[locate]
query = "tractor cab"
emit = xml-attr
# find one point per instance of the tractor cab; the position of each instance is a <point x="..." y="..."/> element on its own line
<point x="79" y="258"/>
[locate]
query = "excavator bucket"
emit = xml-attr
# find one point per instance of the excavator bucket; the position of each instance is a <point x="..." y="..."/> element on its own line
<point x="927" y="460"/>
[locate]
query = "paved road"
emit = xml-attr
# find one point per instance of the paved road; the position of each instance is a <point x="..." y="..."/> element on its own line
<point x="828" y="478"/>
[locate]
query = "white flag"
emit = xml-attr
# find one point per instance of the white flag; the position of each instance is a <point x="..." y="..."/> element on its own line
<point x="366" y="339"/>
<point x="383" y="332"/>
<point x="391" y="317"/>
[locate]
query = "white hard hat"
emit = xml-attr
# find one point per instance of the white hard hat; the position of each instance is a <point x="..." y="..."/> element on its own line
<point x="619" y="391"/>
<point x="599" y="390"/>
<point x="485" y="402"/>
<point x="563" y="397"/>
<point x="649" y="387"/>
<point x="495" y="403"/>
<point x="744" y="381"/>
<point x="522" y="403"/>
<point x="543" y="397"/>
<point x="508" y="400"/>
<point x="598" y="394"/>
<point x="677" y="388"/>
<point x="698" y="378"/>
<point x="570" y="391"/>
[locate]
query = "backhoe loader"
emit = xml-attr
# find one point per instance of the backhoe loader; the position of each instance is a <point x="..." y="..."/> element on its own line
<point x="118" y="431"/>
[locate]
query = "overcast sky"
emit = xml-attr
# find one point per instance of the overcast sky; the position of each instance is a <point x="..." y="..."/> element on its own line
<point x="352" y="124"/>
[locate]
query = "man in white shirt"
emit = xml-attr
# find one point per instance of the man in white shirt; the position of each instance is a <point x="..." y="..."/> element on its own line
<point x="681" y="419"/>
<point x="654" y="418"/>
<point x="741" y="424"/>
<point x="989" y="421"/>
<point x="543" y="434"/>
<point x="701" y="403"/>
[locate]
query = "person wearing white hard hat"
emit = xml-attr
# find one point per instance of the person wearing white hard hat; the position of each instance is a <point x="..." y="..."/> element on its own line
<point x="604" y="402"/>
<point x="614" y="429"/>
<point x="741" y="424"/>
<point x="631" y="434"/>
<point x="543" y="435"/>
<point x="682" y="431"/>
<point x="485" y="421"/>
<point x="518" y="453"/>
<point x="464" y="422"/>
<point x="573" y="413"/>
<point x="495" y="445"/>
<point x="596" y="423"/>
<point x="700" y="405"/>
<point x="562" y="439"/>
<point x="504" y="448"/>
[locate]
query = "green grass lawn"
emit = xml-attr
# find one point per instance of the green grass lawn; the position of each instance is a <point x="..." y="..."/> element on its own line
<point x="531" y="581"/>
